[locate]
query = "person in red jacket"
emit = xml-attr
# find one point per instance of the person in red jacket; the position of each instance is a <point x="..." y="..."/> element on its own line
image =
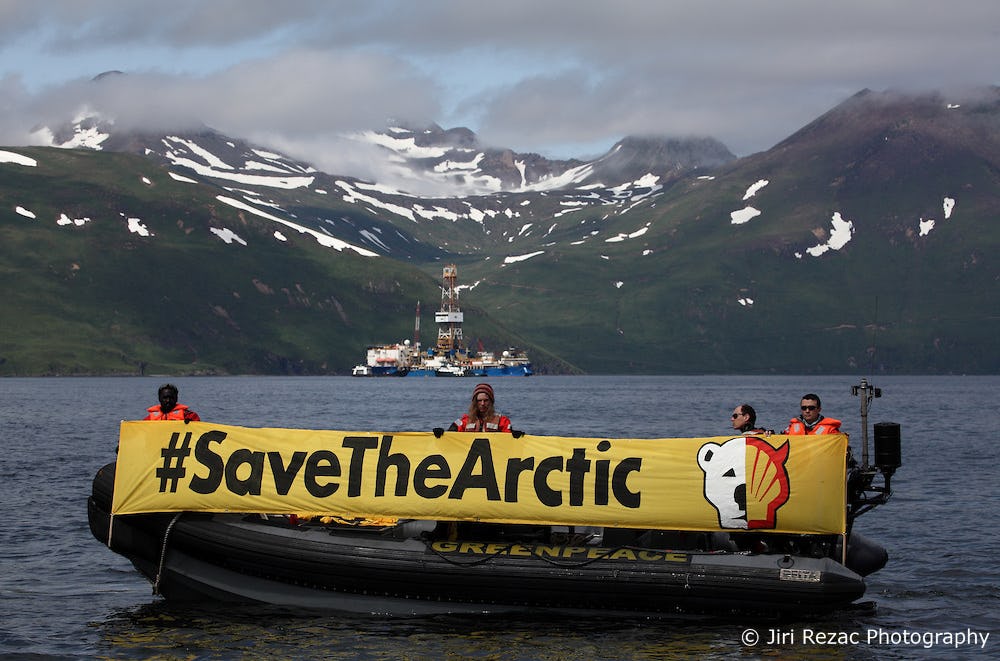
<point x="168" y="408"/>
<point x="482" y="416"/>
<point x="812" y="420"/>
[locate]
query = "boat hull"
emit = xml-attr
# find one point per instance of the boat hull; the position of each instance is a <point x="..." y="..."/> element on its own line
<point x="509" y="370"/>
<point x="405" y="570"/>
<point x="490" y="371"/>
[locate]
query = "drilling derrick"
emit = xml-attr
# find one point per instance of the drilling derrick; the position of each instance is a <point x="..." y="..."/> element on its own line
<point x="449" y="316"/>
<point x="416" y="328"/>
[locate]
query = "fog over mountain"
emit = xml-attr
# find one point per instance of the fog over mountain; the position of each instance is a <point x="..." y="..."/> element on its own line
<point x="555" y="78"/>
<point x="424" y="160"/>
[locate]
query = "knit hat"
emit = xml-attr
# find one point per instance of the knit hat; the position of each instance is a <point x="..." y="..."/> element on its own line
<point x="484" y="388"/>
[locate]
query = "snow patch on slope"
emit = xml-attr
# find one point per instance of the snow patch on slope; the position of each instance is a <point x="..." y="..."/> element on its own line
<point x="323" y="239"/>
<point x="18" y="159"/>
<point x="841" y="232"/>
<point x="520" y="258"/>
<point x="744" y="215"/>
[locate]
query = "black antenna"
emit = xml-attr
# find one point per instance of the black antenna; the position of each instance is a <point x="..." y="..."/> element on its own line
<point x="867" y="393"/>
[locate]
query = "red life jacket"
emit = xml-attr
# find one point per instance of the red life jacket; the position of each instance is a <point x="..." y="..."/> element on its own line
<point x="823" y="426"/>
<point x="179" y="412"/>
<point x="498" y="423"/>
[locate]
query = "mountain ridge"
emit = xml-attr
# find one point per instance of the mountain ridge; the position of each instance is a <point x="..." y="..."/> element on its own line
<point x="863" y="239"/>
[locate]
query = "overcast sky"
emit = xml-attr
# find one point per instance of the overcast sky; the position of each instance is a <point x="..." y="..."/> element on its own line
<point x="559" y="77"/>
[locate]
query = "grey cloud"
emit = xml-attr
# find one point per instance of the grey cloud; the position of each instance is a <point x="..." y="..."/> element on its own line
<point x="78" y="24"/>
<point x="298" y="95"/>
<point x="568" y="71"/>
<point x="296" y="91"/>
<point x="305" y="92"/>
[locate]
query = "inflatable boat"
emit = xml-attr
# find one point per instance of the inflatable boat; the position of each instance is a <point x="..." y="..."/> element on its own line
<point x="399" y="565"/>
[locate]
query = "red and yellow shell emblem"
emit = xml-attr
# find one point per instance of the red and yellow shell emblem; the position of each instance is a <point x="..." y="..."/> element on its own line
<point x="745" y="481"/>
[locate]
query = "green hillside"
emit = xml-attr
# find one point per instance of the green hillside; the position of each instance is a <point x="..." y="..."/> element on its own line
<point x="899" y="296"/>
<point x="901" y="193"/>
<point x="888" y="300"/>
<point x="96" y="298"/>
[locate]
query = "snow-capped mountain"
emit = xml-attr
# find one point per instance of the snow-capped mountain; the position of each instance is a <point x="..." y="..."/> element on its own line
<point x="472" y="184"/>
<point x="453" y="164"/>
<point x="436" y="163"/>
<point x="874" y="218"/>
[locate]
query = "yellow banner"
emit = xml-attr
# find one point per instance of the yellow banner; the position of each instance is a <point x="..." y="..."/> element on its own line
<point x="790" y="484"/>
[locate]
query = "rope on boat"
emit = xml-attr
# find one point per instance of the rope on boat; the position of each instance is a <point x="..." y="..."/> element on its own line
<point x="163" y="552"/>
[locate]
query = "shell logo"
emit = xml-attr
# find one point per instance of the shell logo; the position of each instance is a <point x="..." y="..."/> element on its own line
<point x="745" y="481"/>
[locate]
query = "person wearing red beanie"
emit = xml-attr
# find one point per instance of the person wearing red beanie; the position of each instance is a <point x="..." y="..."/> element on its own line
<point x="482" y="416"/>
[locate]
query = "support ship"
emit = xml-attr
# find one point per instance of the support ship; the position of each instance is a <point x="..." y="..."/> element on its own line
<point x="449" y="357"/>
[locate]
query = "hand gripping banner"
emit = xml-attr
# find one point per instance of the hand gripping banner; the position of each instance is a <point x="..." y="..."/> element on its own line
<point x="794" y="484"/>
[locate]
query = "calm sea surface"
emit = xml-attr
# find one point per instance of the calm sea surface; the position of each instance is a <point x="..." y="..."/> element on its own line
<point x="63" y="594"/>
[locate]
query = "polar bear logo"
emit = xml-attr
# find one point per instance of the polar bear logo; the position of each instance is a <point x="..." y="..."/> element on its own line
<point x="745" y="481"/>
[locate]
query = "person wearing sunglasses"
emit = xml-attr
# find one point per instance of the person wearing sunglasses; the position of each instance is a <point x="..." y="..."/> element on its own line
<point x="745" y="421"/>
<point x="812" y="420"/>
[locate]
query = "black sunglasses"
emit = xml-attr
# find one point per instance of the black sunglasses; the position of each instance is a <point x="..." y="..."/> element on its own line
<point x="809" y="408"/>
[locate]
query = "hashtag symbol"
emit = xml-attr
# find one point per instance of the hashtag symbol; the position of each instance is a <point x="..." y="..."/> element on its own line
<point x="171" y="471"/>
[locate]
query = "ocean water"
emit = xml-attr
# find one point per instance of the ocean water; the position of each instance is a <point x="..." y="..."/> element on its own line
<point x="64" y="595"/>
